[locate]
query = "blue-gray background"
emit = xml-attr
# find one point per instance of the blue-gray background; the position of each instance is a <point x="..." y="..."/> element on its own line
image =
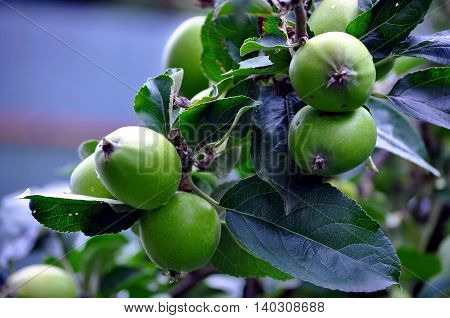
<point x="55" y="93"/>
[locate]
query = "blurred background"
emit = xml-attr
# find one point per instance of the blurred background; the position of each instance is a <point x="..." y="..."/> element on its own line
<point x="69" y="71"/>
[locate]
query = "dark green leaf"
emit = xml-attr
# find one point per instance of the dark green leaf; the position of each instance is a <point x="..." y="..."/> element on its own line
<point x="246" y="87"/>
<point x="73" y="213"/>
<point x="210" y="121"/>
<point x="87" y="148"/>
<point x="237" y="31"/>
<point x="276" y="63"/>
<point x="233" y="259"/>
<point x="417" y="265"/>
<point x="271" y="25"/>
<point x="424" y="95"/>
<point x="270" y="154"/>
<point x="387" y="23"/>
<point x="396" y="135"/>
<point x="434" y="47"/>
<point x="266" y="43"/>
<point x="327" y="239"/>
<point x="215" y="58"/>
<point x="153" y="103"/>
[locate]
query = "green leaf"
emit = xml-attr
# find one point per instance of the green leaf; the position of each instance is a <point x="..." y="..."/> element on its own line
<point x="424" y="95"/>
<point x="125" y="277"/>
<point x="98" y="257"/>
<point x="210" y="121"/>
<point x="417" y="265"/>
<point x="276" y="63"/>
<point x="327" y="239"/>
<point x="387" y="23"/>
<point x="434" y="47"/>
<point x="233" y="259"/>
<point x="154" y="101"/>
<point x="74" y="213"/>
<point x="215" y="59"/>
<point x="87" y="148"/>
<point x="271" y="25"/>
<point x="270" y="154"/>
<point x="236" y="31"/>
<point x="266" y="43"/>
<point x="397" y="135"/>
<point x="253" y="7"/>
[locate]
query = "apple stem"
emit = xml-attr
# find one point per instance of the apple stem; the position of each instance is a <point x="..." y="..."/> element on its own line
<point x="107" y="148"/>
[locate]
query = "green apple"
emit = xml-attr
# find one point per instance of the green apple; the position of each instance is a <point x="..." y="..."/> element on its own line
<point x="42" y="281"/>
<point x="85" y="181"/>
<point x="328" y="144"/>
<point x="183" y="50"/>
<point x="182" y="235"/>
<point x="333" y="72"/>
<point x="138" y="166"/>
<point x="333" y="16"/>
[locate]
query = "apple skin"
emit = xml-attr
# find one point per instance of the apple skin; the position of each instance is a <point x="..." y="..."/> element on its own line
<point x="182" y="235"/>
<point x="333" y="55"/>
<point x="333" y="16"/>
<point x="328" y="144"/>
<point x="85" y="181"/>
<point x="183" y="50"/>
<point x="141" y="168"/>
<point x="42" y="281"/>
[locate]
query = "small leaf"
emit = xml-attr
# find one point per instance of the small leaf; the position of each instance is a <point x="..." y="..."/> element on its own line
<point x="387" y="23"/>
<point x="424" y="95"/>
<point x="327" y="239"/>
<point x="210" y="121"/>
<point x="276" y="63"/>
<point x="153" y="102"/>
<point x="434" y="47"/>
<point x="396" y="135"/>
<point x="266" y="43"/>
<point x="215" y="59"/>
<point x="87" y="148"/>
<point x="271" y="25"/>
<point x="233" y="259"/>
<point x="73" y="213"/>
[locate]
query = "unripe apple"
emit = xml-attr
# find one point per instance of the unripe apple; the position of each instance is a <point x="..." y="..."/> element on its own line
<point x="333" y="16"/>
<point x="42" y="281"/>
<point x="331" y="143"/>
<point x="333" y="72"/>
<point x="139" y="166"/>
<point x="85" y="181"/>
<point x="183" y="50"/>
<point x="182" y="235"/>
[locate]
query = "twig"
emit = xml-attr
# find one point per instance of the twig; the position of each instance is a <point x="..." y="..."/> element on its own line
<point x="301" y="32"/>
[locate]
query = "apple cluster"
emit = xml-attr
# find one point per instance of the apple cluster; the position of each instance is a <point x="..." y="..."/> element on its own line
<point x="140" y="167"/>
<point x="334" y="74"/>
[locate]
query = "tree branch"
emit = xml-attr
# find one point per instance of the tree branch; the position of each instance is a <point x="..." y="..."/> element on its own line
<point x="301" y="32"/>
